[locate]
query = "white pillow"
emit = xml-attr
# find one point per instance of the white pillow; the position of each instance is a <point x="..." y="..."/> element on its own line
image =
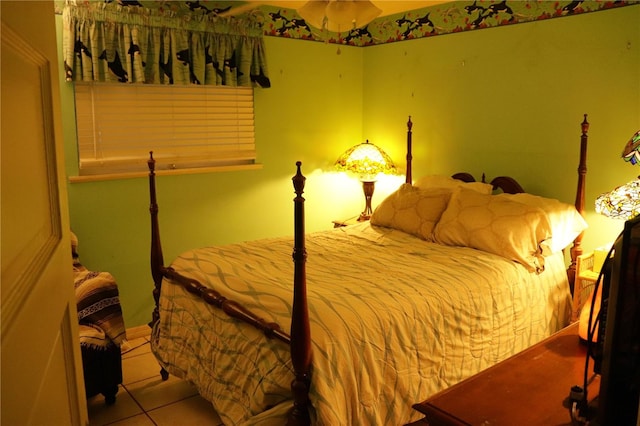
<point x="496" y="225"/>
<point x="438" y="181"/>
<point x="566" y="222"/>
<point x="412" y="210"/>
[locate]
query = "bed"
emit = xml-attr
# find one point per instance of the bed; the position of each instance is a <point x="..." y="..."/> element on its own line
<point x="430" y="291"/>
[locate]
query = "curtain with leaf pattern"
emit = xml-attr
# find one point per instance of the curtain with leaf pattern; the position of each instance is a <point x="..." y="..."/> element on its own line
<point x="121" y="42"/>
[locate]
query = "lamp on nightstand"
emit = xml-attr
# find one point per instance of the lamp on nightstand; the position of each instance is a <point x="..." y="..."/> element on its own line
<point x="366" y="161"/>
<point x="623" y="202"/>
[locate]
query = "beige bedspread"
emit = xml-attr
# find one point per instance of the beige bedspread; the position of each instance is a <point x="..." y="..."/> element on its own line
<point x="394" y="319"/>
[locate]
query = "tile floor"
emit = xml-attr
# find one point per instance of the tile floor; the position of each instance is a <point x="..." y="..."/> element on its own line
<point x="145" y="400"/>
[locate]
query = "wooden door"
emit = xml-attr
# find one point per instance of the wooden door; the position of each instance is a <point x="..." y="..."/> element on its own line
<point x="41" y="364"/>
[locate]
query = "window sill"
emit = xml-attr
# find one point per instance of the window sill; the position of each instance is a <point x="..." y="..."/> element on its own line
<point x="133" y="175"/>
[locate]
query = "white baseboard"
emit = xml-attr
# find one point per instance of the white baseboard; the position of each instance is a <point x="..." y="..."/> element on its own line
<point x="138" y="332"/>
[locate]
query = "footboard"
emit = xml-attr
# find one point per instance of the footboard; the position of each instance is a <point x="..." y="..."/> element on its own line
<point x="300" y="339"/>
<point x="208" y="295"/>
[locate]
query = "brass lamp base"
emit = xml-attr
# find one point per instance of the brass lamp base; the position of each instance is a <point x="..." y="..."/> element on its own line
<point x="367" y="187"/>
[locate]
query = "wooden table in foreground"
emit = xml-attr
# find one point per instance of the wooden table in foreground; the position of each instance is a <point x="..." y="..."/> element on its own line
<point x="529" y="388"/>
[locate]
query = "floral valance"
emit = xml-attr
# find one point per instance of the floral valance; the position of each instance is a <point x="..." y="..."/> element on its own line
<point x="443" y="17"/>
<point x="127" y="42"/>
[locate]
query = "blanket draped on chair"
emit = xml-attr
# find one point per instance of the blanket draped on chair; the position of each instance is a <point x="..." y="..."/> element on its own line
<point x="99" y="311"/>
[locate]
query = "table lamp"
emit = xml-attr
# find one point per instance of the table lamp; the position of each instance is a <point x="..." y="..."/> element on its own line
<point x="366" y="161"/>
<point x="623" y="202"/>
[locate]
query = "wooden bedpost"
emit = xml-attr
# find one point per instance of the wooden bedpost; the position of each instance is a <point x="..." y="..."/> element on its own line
<point x="157" y="262"/>
<point x="409" y="178"/>
<point x="300" y="330"/>
<point x="208" y="295"/>
<point x="576" y="249"/>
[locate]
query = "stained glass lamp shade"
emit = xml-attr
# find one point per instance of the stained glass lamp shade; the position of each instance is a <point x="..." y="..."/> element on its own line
<point x="624" y="201"/>
<point x="366" y="161"/>
<point x="621" y="203"/>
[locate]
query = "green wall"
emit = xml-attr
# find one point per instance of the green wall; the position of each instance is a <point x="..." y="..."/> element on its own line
<point x="509" y="101"/>
<point x="506" y="100"/>
<point x="312" y="113"/>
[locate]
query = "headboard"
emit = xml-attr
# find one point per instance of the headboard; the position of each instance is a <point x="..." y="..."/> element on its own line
<point x="510" y="186"/>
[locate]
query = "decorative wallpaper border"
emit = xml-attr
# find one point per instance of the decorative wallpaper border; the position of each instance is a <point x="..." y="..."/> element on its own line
<point x="445" y="18"/>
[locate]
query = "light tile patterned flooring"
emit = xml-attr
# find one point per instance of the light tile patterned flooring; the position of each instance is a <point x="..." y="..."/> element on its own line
<point x="145" y="400"/>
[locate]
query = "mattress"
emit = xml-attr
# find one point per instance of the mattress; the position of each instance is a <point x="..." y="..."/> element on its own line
<point x="393" y="318"/>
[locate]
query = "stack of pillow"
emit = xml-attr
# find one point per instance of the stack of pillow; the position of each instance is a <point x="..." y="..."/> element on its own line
<point x="522" y="227"/>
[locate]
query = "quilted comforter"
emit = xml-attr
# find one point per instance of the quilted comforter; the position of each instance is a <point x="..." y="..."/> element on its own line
<point x="394" y="319"/>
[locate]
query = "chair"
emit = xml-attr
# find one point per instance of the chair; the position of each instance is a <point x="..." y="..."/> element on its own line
<point x="102" y="372"/>
<point x="101" y="329"/>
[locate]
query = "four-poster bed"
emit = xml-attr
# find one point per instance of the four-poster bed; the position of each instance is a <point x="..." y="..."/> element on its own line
<point x="440" y="300"/>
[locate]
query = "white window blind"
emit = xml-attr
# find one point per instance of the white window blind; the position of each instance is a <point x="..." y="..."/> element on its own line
<point x="184" y="126"/>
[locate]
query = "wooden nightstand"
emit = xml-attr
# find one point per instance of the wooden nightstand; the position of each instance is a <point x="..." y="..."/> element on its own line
<point x="585" y="280"/>
<point x="530" y="388"/>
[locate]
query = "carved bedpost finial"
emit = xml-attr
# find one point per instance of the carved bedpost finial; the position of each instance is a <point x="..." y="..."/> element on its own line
<point x="585" y="125"/>
<point x="151" y="162"/>
<point x="298" y="180"/>
<point x="409" y="123"/>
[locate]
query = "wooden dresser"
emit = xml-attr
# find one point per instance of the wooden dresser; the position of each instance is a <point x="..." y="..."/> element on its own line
<point x="529" y="388"/>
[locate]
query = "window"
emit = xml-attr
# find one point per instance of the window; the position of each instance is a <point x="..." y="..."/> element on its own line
<point x="186" y="127"/>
